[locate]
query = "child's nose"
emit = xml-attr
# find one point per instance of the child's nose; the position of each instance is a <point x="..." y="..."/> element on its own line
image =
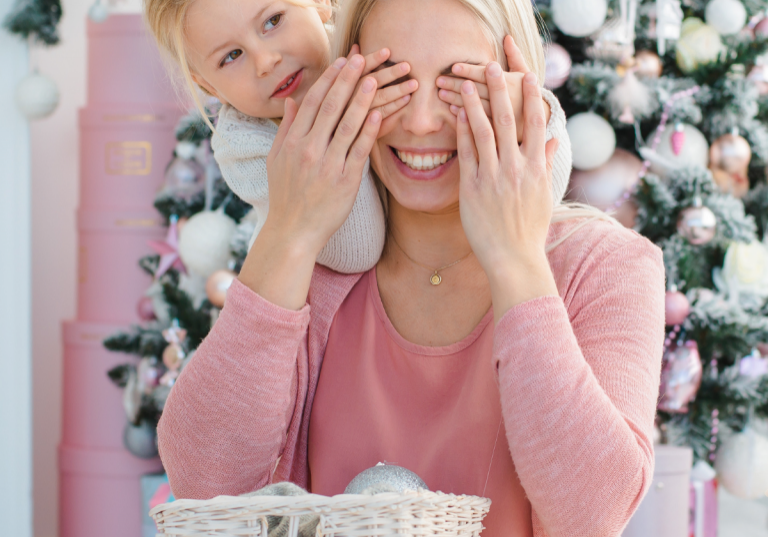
<point x="265" y="61"/>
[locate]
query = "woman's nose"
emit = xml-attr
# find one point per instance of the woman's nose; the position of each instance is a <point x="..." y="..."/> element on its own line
<point x="265" y="61"/>
<point x="425" y="113"/>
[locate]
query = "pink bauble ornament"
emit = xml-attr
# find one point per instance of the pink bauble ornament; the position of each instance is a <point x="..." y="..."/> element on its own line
<point x="603" y="186"/>
<point x="676" y="308"/>
<point x="680" y="377"/>
<point x="761" y="28"/>
<point x="217" y="285"/>
<point x="558" y="66"/>
<point x="697" y="224"/>
<point x="759" y="77"/>
<point x="145" y="309"/>
<point x="729" y="158"/>
<point x="148" y="375"/>
<point x="648" y="64"/>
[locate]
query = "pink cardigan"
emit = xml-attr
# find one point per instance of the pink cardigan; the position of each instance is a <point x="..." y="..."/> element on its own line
<point x="578" y="376"/>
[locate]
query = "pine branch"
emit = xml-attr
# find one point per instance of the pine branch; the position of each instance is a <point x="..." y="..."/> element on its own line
<point x="37" y="19"/>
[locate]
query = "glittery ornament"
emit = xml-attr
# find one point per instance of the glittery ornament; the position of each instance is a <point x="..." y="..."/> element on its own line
<point x="603" y="186"/>
<point x="385" y="476"/>
<point x="729" y="158"/>
<point x="217" y="285"/>
<point x="558" y="66"/>
<point x="579" y="18"/>
<point x="592" y="140"/>
<point x="697" y="224"/>
<point x="140" y="440"/>
<point x="728" y="17"/>
<point x="648" y="64"/>
<point x="678" y="139"/>
<point x="742" y="464"/>
<point x="676" y="308"/>
<point x="680" y="377"/>
<point x="145" y="309"/>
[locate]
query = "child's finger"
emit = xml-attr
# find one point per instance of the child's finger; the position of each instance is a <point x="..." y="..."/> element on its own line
<point x="358" y="153"/>
<point x="515" y="60"/>
<point x="482" y="130"/>
<point x="465" y="146"/>
<point x="390" y="108"/>
<point x="475" y="73"/>
<point x="391" y="74"/>
<point x="373" y="60"/>
<point x="454" y="99"/>
<point x="393" y="93"/>
<point x="451" y="83"/>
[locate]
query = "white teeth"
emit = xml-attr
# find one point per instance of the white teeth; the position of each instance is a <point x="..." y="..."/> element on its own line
<point x="287" y="83"/>
<point x="423" y="162"/>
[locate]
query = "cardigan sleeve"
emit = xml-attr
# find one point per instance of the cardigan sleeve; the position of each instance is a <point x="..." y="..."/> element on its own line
<point x="225" y="423"/>
<point x="579" y="387"/>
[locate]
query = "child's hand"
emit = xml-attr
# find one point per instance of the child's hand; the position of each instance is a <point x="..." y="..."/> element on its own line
<point x="450" y="91"/>
<point x="388" y="100"/>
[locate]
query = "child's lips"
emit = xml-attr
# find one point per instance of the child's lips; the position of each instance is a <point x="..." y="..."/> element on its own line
<point x="288" y="85"/>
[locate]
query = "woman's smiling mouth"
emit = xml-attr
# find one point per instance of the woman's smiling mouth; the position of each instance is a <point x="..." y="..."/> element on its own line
<point x="423" y="161"/>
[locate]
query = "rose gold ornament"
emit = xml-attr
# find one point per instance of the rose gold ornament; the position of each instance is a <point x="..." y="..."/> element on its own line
<point x="603" y="186"/>
<point x="761" y="28"/>
<point x="145" y="309"/>
<point x="729" y="158"/>
<point x="558" y="66"/>
<point x="217" y="285"/>
<point x="648" y="64"/>
<point x="697" y="224"/>
<point x="172" y="356"/>
<point x="676" y="307"/>
<point x="680" y="377"/>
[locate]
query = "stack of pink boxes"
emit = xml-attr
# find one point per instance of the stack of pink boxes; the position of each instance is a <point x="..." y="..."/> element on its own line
<point x="126" y="140"/>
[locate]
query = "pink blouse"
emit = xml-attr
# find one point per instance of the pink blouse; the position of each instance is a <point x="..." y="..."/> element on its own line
<point x="433" y="410"/>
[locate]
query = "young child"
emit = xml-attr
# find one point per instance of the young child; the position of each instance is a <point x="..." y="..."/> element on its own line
<point x="252" y="55"/>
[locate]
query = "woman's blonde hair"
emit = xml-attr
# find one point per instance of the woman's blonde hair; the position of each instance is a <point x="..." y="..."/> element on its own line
<point x="498" y="18"/>
<point x="166" y="20"/>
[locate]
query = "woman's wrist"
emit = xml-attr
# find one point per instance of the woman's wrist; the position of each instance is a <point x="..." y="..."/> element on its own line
<point x="279" y="268"/>
<point x="518" y="279"/>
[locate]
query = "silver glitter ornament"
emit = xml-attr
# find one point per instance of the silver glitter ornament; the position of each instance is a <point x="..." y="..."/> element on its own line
<point x="698" y="223"/>
<point x="385" y="478"/>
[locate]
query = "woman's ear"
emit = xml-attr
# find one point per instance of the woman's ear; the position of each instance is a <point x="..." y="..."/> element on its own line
<point x="325" y="9"/>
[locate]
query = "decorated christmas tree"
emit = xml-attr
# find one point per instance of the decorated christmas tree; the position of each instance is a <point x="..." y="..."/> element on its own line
<point x="667" y="103"/>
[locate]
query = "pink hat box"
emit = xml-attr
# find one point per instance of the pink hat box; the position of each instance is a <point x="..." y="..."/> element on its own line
<point x="124" y="63"/>
<point x="100" y="492"/>
<point x="124" y="152"/>
<point x="93" y="415"/>
<point x="109" y="277"/>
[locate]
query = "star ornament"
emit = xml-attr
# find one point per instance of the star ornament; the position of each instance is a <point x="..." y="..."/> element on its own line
<point x="168" y="250"/>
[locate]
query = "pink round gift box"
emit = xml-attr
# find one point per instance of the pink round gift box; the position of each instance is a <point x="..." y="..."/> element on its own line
<point x="110" y="281"/>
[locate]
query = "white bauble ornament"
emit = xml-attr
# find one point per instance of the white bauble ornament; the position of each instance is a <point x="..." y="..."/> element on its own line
<point x="742" y="464"/>
<point x="37" y="96"/>
<point x="592" y="140"/>
<point x="98" y="12"/>
<point x="579" y="18"/>
<point x="694" y="151"/>
<point x="699" y="44"/>
<point x="728" y="17"/>
<point x="204" y="242"/>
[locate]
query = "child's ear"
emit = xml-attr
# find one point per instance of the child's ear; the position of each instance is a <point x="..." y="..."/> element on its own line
<point x="204" y="86"/>
<point x="325" y="9"/>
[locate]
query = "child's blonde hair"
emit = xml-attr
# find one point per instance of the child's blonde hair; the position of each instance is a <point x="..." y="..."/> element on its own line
<point x="166" y="20"/>
<point x="498" y="18"/>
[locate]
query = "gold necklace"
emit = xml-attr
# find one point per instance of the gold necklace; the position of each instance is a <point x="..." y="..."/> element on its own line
<point x="435" y="279"/>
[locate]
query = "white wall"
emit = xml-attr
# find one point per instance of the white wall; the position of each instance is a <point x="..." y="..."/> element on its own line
<point x="55" y="172"/>
<point x="15" y="356"/>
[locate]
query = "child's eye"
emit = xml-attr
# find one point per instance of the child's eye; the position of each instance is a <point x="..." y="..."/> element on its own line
<point x="273" y="21"/>
<point x="232" y="56"/>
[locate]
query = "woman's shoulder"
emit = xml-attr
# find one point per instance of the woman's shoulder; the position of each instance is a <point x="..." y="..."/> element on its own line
<point x="327" y="291"/>
<point x="600" y="244"/>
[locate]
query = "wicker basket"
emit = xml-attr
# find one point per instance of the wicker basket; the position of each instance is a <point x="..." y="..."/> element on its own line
<point x="349" y="515"/>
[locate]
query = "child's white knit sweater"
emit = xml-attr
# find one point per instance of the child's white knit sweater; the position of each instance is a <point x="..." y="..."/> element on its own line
<point x="241" y="145"/>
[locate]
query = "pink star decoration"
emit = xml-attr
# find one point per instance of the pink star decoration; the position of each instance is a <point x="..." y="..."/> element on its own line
<point x="168" y="250"/>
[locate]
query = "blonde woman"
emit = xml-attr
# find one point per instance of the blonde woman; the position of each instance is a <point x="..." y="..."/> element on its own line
<point x="500" y="347"/>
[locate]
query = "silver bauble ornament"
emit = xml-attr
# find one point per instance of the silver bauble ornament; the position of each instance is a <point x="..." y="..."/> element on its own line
<point x="37" y="96"/>
<point x="592" y="140"/>
<point x="204" y="242"/>
<point x="648" y="64"/>
<point x="141" y="440"/>
<point x="579" y="18"/>
<point x="728" y="17"/>
<point x="680" y="377"/>
<point x="98" y="12"/>
<point x="697" y="224"/>
<point x="385" y="478"/>
<point x="558" y="66"/>
<point x="742" y="464"/>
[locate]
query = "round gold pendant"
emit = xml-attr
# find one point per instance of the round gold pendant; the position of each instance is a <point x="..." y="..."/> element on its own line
<point x="435" y="279"/>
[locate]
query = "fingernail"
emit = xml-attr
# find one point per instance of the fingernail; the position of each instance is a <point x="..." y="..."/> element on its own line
<point x="404" y="67"/>
<point x="383" y="52"/>
<point x="357" y="62"/>
<point x="468" y="87"/>
<point x="407" y="98"/>
<point x="375" y="116"/>
<point x="412" y="84"/>
<point x="456" y="68"/>
<point x="368" y="85"/>
<point x="493" y="69"/>
<point x="339" y="63"/>
<point x="463" y="115"/>
<point x="530" y="78"/>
